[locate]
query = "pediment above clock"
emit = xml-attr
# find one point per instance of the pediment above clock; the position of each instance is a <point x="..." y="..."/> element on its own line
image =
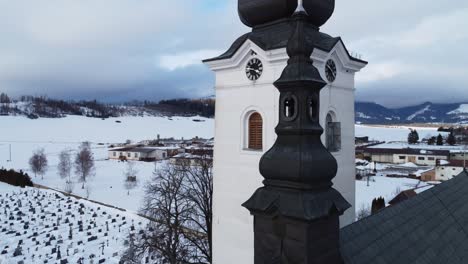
<point x="271" y="41"/>
<point x="247" y="50"/>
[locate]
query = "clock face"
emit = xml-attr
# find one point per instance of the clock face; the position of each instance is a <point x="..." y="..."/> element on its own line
<point x="330" y="71"/>
<point x="254" y="69"/>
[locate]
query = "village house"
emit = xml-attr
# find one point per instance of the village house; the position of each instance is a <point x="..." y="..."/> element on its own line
<point x="421" y="157"/>
<point x="458" y="155"/>
<point x="143" y="153"/>
<point x="446" y="170"/>
<point x="189" y="159"/>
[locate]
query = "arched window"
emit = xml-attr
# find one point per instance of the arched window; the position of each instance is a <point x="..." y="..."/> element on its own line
<point x="333" y="134"/>
<point x="255" y="132"/>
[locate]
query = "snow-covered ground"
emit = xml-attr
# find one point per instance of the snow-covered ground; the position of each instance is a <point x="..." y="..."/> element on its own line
<point x="38" y="224"/>
<point x="385" y="187"/>
<point x="393" y="133"/>
<point x="75" y="129"/>
<point x="54" y="135"/>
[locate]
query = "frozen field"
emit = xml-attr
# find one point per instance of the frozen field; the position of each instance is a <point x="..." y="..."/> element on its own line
<point x="54" y="135"/>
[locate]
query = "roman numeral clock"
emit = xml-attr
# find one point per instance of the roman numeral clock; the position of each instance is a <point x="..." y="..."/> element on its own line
<point x="254" y="69"/>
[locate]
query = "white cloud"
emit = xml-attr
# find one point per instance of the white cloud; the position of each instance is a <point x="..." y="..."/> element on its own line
<point x="185" y="59"/>
<point x="381" y="71"/>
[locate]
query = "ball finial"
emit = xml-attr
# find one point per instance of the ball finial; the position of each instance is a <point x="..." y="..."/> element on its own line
<point x="257" y="12"/>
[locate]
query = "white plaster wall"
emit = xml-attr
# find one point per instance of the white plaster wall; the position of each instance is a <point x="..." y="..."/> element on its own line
<point x="425" y="162"/>
<point x="445" y="173"/>
<point x="236" y="174"/>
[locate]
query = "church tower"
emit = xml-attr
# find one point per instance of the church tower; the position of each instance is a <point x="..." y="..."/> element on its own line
<point x="247" y="106"/>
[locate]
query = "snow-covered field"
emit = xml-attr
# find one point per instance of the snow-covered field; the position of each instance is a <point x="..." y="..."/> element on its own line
<point x="393" y="133"/>
<point x="54" y="135"/>
<point x="42" y="226"/>
<point x="385" y="187"/>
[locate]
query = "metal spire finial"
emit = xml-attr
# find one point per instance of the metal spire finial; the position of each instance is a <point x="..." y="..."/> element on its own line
<point x="300" y="7"/>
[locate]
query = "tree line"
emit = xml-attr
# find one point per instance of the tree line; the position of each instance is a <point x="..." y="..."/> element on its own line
<point x="184" y="107"/>
<point x="439" y="140"/>
<point x="42" y="106"/>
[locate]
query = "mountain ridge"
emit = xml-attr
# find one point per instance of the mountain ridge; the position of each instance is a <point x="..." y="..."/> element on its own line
<point x="428" y="112"/>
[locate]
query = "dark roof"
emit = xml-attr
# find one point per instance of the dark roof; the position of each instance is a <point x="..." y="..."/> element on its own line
<point x="454" y="163"/>
<point x="276" y="35"/>
<point x="411" y="151"/>
<point x="403" y="196"/>
<point x="431" y="227"/>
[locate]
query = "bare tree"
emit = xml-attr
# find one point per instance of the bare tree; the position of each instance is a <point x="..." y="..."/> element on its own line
<point x="130" y="181"/>
<point x="64" y="168"/>
<point x="65" y="164"/>
<point x="130" y="255"/>
<point x="84" y="163"/>
<point x="165" y="202"/>
<point x="363" y="212"/>
<point x="38" y="163"/>
<point x="69" y="186"/>
<point x="199" y="192"/>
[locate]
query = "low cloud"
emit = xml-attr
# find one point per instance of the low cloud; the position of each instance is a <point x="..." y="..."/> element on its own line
<point x="120" y="50"/>
<point x="183" y="60"/>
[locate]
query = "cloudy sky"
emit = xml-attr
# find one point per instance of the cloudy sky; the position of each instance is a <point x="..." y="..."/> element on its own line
<point x="118" y="50"/>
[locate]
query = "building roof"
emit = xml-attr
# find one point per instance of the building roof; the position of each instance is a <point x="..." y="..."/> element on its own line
<point x="138" y="149"/>
<point x="409" y="151"/>
<point x="276" y="35"/>
<point x="453" y="163"/>
<point x="403" y="196"/>
<point x="431" y="227"/>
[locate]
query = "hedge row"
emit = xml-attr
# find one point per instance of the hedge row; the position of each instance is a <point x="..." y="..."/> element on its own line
<point x="14" y="178"/>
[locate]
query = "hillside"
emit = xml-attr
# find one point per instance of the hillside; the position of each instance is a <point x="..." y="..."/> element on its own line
<point x="43" y="107"/>
<point x="372" y="113"/>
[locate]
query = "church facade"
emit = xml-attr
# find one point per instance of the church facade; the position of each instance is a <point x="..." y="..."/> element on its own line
<point x="246" y="116"/>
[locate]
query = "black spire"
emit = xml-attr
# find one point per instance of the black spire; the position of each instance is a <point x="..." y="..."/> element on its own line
<point x="297" y="211"/>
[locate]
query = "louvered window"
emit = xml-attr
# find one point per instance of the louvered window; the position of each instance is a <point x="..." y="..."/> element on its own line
<point x="333" y="134"/>
<point x="256" y="131"/>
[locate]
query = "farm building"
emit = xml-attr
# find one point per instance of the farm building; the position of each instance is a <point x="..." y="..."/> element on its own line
<point x="143" y="153"/>
<point x="446" y="170"/>
<point x="399" y="156"/>
<point x="189" y="159"/>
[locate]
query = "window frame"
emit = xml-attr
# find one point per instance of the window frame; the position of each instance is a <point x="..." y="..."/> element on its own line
<point x="333" y="135"/>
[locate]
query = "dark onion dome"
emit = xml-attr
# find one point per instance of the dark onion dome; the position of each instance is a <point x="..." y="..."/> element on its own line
<point x="257" y="12"/>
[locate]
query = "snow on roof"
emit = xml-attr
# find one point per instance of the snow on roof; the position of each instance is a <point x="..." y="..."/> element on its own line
<point x="421" y="146"/>
<point x="408" y="164"/>
<point x="443" y="162"/>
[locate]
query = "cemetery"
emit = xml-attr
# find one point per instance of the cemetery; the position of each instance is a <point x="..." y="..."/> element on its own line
<point x="42" y="226"/>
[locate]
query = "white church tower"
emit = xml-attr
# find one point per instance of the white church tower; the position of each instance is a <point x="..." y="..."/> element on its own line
<point x="247" y="113"/>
